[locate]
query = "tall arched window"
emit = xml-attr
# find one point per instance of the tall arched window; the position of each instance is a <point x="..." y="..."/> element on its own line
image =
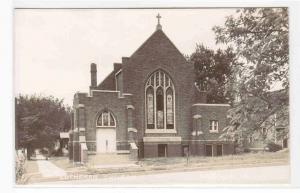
<point x="106" y="119"/>
<point x="160" y="103"/>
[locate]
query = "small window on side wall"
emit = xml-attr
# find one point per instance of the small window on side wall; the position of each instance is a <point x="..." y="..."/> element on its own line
<point x="213" y="126"/>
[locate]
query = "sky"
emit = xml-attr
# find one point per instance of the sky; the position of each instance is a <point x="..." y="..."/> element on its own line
<point x="53" y="49"/>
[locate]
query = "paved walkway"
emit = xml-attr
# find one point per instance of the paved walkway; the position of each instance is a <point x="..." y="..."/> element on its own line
<point x="48" y="169"/>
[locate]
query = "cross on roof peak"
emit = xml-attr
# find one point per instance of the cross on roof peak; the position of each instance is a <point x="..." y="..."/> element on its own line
<point x="158" y="26"/>
<point x="158" y="17"/>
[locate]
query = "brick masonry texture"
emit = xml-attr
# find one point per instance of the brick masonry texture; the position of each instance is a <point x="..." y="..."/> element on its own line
<point x="156" y="53"/>
<point x="211" y="113"/>
<point x="93" y="107"/>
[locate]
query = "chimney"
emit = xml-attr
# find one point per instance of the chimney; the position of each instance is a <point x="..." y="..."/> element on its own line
<point x="117" y="66"/>
<point x="93" y="75"/>
<point x="125" y="60"/>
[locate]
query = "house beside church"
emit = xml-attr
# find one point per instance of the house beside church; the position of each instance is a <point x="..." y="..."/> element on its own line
<point x="274" y="130"/>
<point x="148" y="106"/>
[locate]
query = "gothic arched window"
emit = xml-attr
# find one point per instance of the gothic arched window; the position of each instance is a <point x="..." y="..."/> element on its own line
<point x="106" y="119"/>
<point x="160" y="102"/>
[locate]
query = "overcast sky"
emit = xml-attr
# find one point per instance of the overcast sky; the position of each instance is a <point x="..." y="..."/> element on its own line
<point x="53" y="49"/>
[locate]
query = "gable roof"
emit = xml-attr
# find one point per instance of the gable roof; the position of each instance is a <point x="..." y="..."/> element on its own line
<point x="157" y="45"/>
<point x="158" y="42"/>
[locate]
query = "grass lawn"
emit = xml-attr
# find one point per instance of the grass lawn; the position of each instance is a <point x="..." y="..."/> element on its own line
<point x="165" y="164"/>
<point x="31" y="167"/>
<point x="247" y="158"/>
<point x="174" y="163"/>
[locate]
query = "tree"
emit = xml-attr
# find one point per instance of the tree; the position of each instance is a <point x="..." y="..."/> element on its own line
<point x="39" y="120"/>
<point x="214" y="70"/>
<point x="260" y="39"/>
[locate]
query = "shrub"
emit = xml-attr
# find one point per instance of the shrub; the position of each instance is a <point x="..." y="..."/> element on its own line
<point x="20" y="168"/>
<point x="273" y="147"/>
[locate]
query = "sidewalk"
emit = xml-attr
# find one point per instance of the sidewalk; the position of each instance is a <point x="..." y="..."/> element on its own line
<point x="152" y="166"/>
<point x="48" y="169"/>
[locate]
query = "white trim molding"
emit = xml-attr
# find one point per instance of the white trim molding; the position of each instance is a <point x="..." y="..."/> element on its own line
<point x="80" y="106"/>
<point x="197" y="116"/>
<point x="162" y="139"/>
<point x="211" y="105"/>
<point x="116" y="82"/>
<point x="105" y="91"/>
<point x="83" y="146"/>
<point x="130" y="107"/>
<point x="132" y="129"/>
<point x="213" y="126"/>
<point x="133" y="146"/>
<point x="194" y="133"/>
<point x="197" y="133"/>
<point x="82" y="139"/>
<point x="160" y="131"/>
<point x="127" y="94"/>
<point x="210" y="140"/>
<point x="118" y="72"/>
<point x="111" y="91"/>
<point x="64" y="135"/>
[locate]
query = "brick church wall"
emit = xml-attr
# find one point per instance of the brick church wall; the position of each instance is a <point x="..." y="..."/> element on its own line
<point x="159" y="53"/>
<point x="94" y="105"/>
<point x="211" y="112"/>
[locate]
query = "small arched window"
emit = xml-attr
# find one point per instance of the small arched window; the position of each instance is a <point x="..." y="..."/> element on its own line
<point x="106" y="119"/>
<point x="160" y="103"/>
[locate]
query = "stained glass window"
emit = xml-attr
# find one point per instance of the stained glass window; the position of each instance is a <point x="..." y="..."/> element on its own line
<point x="167" y="81"/>
<point x="150" y="108"/>
<point x="170" y="111"/>
<point x="157" y="78"/>
<point x="161" y="76"/>
<point x="160" y="104"/>
<point x="160" y="108"/>
<point x="106" y="119"/>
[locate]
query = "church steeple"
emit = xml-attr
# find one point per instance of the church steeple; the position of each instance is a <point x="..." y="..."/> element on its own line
<point x="158" y="26"/>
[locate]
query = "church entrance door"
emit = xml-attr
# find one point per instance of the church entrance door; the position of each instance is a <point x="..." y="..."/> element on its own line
<point x="106" y="140"/>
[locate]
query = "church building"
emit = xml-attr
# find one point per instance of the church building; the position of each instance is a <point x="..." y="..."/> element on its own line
<point x="149" y="106"/>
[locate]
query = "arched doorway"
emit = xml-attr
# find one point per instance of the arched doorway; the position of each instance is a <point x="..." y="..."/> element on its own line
<point x="106" y="132"/>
